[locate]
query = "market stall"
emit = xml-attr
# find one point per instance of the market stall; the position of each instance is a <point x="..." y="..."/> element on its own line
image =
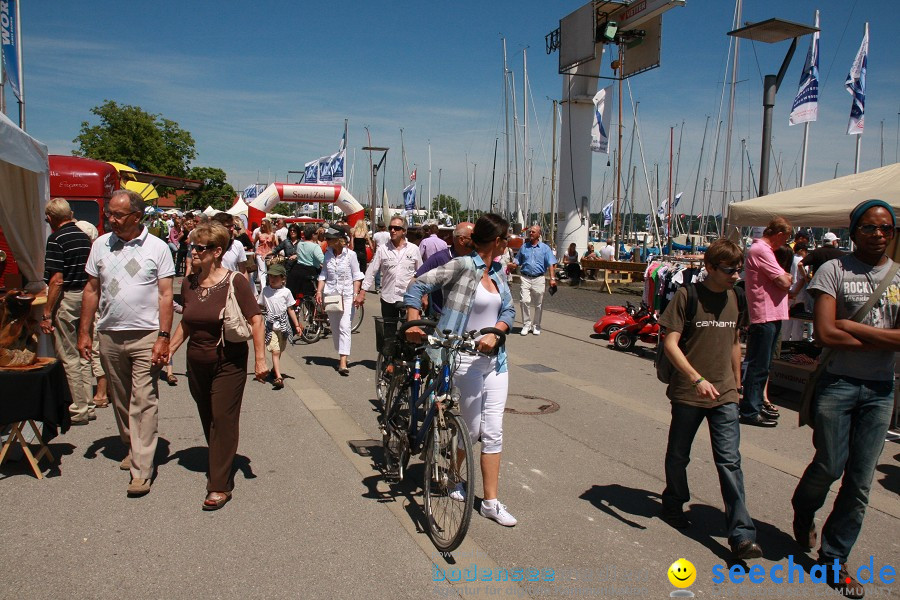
<point x="824" y="204"/>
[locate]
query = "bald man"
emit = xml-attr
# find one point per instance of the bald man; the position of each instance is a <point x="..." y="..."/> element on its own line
<point x="462" y="245"/>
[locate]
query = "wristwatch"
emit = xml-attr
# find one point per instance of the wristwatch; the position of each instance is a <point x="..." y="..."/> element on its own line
<point x="46" y="318"/>
<point x="164" y="334"/>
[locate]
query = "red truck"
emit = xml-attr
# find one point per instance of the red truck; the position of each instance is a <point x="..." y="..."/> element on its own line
<point x="87" y="184"/>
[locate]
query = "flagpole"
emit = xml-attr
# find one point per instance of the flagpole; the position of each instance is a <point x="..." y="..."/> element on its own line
<point x="858" y="152"/>
<point x="22" y="70"/>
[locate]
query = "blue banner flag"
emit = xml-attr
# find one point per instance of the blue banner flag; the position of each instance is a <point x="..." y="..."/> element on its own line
<point x="409" y="197"/>
<point x="856" y="86"/>
<point x="337" y="166"/>
<point x="311" y="172"/>
<point x="9" y="43"/>
<point x="607" y="214"/>
<point x="806" y="104"/>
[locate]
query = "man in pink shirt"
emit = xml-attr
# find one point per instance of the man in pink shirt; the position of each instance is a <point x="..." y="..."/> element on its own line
<point x="767" y="286"/>
<point x="432" y="244"/>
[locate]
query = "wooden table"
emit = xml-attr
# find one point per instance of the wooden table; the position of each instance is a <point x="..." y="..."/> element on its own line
<point x="41" y="394"/>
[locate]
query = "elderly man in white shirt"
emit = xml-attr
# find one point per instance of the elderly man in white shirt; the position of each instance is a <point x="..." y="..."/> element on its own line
<point x="397" y="262"/>
<point x="130" y="276"/>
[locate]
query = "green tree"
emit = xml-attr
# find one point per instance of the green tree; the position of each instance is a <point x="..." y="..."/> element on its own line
<point x="216" y="192"/>
<point x="131" y="136"/>
<point x="448" y="204"/>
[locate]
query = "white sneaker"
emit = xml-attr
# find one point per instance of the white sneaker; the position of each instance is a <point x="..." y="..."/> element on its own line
<point x="498" y="513"/>
<point x="458" y="493"/>
<point x="536" y="331"/>
<point x="524" y="331"/>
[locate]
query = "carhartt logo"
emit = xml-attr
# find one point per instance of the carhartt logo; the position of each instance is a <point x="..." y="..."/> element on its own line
<point x="731" y="324"/>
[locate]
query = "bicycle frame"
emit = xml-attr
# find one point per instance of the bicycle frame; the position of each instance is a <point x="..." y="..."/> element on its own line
<point x="436" y="391"/>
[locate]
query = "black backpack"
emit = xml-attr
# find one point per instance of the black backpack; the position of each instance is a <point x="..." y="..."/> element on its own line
<point x="664" y="367"/>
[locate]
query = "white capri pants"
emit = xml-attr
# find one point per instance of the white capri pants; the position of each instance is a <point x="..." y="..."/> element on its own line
<point x="340" y="326"/>
<point x="482" y="399"/>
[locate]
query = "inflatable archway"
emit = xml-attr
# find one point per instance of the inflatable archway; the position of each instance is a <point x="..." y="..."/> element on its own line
<point x="305" y="192"/>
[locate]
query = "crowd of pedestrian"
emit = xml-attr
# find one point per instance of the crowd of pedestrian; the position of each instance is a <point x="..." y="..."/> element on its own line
<point x="111" y="301"/>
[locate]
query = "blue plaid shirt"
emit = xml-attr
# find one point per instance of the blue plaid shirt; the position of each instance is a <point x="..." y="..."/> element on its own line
<point x="458" y="279"/>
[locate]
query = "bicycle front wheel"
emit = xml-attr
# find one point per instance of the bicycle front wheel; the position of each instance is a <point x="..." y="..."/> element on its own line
<point x="357" y="321"/>
<point x="449" y="468"/>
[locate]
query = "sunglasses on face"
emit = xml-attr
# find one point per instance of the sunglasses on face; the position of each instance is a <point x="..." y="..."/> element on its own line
<point x="886" y="230"/>
<point x="201" y="247"/>
<point x="728" y="270"/>
<point x="118" y="217"/>
<point x="397" y="228"/>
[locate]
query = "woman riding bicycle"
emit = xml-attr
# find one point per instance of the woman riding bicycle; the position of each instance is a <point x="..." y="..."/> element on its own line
<point x="476" y="295"/>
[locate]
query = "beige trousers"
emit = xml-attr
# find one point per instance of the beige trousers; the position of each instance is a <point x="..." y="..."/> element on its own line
<point x="132" y="387"/>
<point x="78" y="370"/>
<point x="531" y="296"/>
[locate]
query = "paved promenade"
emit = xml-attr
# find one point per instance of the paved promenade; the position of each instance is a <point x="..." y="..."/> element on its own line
<point x="313" y="518"/>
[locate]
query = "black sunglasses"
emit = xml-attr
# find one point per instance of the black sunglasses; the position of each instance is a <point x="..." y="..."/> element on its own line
<point x="201" y="247"/>
<point x="886" y="230"/>
<point x="728" y="270"/>
<point x="397" y="228"/>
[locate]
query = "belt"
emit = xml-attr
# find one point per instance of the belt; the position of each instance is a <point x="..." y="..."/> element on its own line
<point x="533" y="276"/>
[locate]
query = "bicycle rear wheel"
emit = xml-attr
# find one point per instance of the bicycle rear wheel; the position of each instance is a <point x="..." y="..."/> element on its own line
<point x="448" y="519"/>
<point x="394" y="427"/>
<point x="313" y="328"/>
<point x="357" y="321"/>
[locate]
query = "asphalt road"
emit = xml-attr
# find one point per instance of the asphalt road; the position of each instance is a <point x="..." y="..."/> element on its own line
<point x="313" y="518"/>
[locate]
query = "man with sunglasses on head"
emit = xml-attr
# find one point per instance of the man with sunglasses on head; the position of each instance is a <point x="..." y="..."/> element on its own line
<point x="235" y="257"/>
<point x="702" y="344"/>
<point x="767" y="285"/>
<point x="854" y="398"/>
<point x="130" y="276"/>
<point x="397" y="262"/>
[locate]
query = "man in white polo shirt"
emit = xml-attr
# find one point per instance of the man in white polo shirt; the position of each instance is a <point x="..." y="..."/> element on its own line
<point x="130" y="277"/>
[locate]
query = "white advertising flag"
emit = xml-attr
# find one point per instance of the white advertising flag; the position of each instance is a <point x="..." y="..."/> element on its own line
<point x="602" y="118"/>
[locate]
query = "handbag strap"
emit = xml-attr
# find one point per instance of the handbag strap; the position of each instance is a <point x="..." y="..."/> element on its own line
<point x="828" y="353"/>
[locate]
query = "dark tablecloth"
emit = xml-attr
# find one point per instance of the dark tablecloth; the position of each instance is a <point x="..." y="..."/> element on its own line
<point x="41" y="394"/>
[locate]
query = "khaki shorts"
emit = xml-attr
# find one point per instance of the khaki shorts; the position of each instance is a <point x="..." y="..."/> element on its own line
<point x="278" y="341"/>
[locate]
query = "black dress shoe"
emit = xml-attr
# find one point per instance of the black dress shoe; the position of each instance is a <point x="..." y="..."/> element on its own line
<point x="747" y="549"/>
<point x="678" y="520"/>
<point x="758" y="421"/>
<point x="765" y="412"/>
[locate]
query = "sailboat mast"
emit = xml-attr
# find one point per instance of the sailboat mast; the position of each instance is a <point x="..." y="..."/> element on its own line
<point x="527" y="174"/>
<point x="738" y="9"/>
<point x="506" y="120"/>
<point x="697" y="179"/>
<point x="493" y="175"/>
<point x="553" y="179"/>
<point x="429" y="178"/>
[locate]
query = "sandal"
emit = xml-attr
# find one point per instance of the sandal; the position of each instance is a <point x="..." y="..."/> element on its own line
<point x="278" y="383"/>
<point x="98" y="403"/>
<point x="171" y="380"/>
<point x="216" y="500"/>
<point x="770" y="407"/>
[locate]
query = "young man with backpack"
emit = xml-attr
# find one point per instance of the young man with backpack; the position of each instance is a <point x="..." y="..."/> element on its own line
<point x="701" y="342"/>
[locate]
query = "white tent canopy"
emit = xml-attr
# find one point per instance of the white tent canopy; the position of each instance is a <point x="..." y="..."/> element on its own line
<point x="239" y="208"/>
<point x="24" y="192"/>
<point x="210" y="211"/>
<point x="825" y="204"/>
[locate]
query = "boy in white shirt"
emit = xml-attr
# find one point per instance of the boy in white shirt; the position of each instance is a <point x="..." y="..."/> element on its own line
<point x="277" y="302"/>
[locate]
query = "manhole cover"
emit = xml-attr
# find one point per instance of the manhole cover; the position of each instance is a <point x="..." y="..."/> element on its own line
<point x="520" y="404"/>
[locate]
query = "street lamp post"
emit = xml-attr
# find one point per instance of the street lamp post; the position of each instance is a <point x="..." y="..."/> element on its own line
<point x="771" y="31"/>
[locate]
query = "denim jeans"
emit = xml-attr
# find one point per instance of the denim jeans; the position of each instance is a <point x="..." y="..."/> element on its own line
<point x="725" y="435"/>
<point x="851" y="418"/>
<point x="761" y="339"/>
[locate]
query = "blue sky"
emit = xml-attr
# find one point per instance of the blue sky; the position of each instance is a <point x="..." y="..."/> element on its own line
<point x="265" y="86"/>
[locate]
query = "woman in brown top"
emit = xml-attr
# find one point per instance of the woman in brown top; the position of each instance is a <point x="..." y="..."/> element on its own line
<point x="217" y="369"/>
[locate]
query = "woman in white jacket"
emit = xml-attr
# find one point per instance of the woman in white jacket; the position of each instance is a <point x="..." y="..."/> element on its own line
<point x="340" y="276"/>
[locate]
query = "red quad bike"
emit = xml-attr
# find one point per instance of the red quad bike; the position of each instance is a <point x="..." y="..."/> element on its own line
<point x="616" y="318"/>
<point x="645" y="328"/>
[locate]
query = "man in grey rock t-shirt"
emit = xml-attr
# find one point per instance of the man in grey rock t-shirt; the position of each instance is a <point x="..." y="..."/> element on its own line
<point x="855" y="396"/>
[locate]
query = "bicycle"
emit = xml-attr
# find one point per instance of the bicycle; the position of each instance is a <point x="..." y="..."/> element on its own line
<point x="442" y="436"/>
<point x="315" y="322"/>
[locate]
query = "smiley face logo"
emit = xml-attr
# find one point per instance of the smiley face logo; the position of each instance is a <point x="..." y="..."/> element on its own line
<point x="682" y="573"/>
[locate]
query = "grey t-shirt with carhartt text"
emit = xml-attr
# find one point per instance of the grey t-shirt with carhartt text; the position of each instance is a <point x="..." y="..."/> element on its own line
<point x="851" y="281"/>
